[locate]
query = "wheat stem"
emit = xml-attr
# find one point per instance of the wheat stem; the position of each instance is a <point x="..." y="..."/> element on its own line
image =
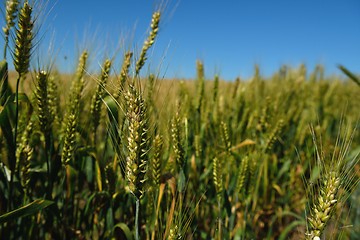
<point x="137" y="223"/>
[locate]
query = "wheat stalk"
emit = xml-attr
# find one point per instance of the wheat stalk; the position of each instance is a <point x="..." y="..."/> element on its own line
<point x="11" y="15"/>
<point x="218" y="182"/>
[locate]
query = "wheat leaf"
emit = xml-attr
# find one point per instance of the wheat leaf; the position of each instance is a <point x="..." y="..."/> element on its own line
<point x="26" y="210"/>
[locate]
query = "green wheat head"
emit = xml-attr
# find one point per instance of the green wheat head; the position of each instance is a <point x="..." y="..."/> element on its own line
<point x="23" y="40"/>
<point x="137" y="145"/>
<point x="12" y="8"/>
<point x="148" y="42"/>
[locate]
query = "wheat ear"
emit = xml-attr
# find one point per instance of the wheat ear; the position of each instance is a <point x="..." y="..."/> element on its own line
<point x="23" y="41"/>
<point x="73" y="111"/>
<point x="137" y="160"/>
<point x="12" y="7"/>
<point x="225" y="137"/>
<point x="148" y="42"/>
<point x="124" y="74"/>
<point x="21" y="57"/>
<point x="218" y="182"/>
<point x="41" y="93"/>
<point x="156" y="160"/>
<point x="138" y="148"/>
<point x="25" y="169"/>
<point x="325" y="205"/>
<point x="274" y="135"/>
<point x="95" y="107"/>
<point x="336" y="174"/>
<point x="177" y="139"/>
<point x="217" y="176"/>
<point x="242" y="171"/>
<point x="53" y="99"/>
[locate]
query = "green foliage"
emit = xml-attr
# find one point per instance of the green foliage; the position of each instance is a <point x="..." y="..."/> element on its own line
<point x="26" y="210"/>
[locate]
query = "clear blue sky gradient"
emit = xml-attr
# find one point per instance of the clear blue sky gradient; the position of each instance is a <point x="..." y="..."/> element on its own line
<point x="229" y="36"/>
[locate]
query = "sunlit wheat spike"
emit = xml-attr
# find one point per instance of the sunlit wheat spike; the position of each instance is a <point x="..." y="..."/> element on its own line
<point x="10" y="15"/>
<point x="337" y="173"/>
<point x="25" y="169"/>
<point x="150" y="89"/>
<point x="23" y="41"/>
<point x="274" y="135"/>
<point x="95" y="106"/>
<point x="242" y="171"/>
<point x="225" y="136"/>
<point x="173" y="233"/>
<point x="148" y="42"/>
<point x="81" y="66"/>
<point x="325" y="203"/>
<point x="266" y="115"/>
<point x="125" y="68"/>
<point x="69" y="139"/>
<point x="217" y="176"/>
<point x="41" y="93"/>
<point x="177" y="139"/>
<point x="24" y="139"/>
<point x="197" y="145"/>
<point x="53" y="99"/>
<point x="72" y="116"/>
<point x="77" y="85"/>
<point x="137" y="145"/>
<point x="156" y="159"/>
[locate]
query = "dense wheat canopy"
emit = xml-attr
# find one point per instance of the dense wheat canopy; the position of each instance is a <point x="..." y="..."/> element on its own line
<point x="123" y="153"/>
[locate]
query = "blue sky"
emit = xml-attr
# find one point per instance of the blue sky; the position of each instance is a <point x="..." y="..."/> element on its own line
<point x="229" y="36"/>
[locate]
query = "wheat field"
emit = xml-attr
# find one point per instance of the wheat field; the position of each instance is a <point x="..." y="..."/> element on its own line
<point x="116" y="155"/>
